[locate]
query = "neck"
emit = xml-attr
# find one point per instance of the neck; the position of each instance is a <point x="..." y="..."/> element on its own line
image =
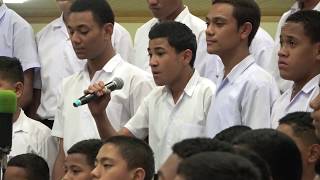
<point x="97" y="63"/>
<point x="180" y="83"/>
<point x="299" y="84"/>
<point x="16" y="115"/>
<point x="64" y="17"/>
<point x="308" y="4"/>
<point x="174" y="14"/>
<point x="308" y="173"/>
<point x="230" y="60"/>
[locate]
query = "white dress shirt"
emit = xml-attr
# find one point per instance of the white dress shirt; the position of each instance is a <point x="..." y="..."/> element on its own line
<point x="210" y="65"/>
<point x="76" y="124"/>
<point x="58" y="60"/>
<point x="244" y="97"/>
<point x="273" y="63"/>
<point x="167" y="122"/>
<point x="17" y="38"/>
<point x="30" y="136"/>
<point x="141" y="40"/>
<point x="300" y="102"/>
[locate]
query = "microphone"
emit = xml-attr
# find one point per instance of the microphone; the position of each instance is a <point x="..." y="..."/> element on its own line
<point x="8" y="106"/>
<point x="116" y="83"/>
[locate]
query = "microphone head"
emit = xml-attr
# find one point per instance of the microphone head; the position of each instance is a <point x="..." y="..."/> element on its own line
<point x="8" y="101"/>
<point x="118" y="82"/>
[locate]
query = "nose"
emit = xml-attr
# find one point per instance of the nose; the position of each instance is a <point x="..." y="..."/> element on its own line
<point x="95" y="172"/>
<point x="210" y="30"/>
<point x="75" y="38"/>
<point x="282" y="52"/>
<point x="153" y="61"/>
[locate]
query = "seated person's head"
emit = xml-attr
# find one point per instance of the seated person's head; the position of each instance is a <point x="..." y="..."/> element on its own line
<point x="277" y="149"/>
<point x="172" y="49"/>
<point x="27" y="167"/>
<point x="124" y="158"/>
<point x="298" y="126"/>
<point x="80" y="159"/>
<point x="232" y="132"/>
<point x="11" y="75"/>
<point x="299" y="55"/>
<point x="187" y="148"/>
<point x="217" y="166"/>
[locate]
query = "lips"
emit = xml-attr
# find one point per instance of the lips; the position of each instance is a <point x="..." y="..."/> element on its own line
<point x="282" y="64"/>
<point x="209" y="42"/>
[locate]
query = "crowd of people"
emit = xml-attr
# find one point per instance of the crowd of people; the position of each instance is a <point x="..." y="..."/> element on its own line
<point x="201" y="99"/>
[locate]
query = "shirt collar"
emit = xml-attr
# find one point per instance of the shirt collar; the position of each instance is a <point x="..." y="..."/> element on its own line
<point x="58" y="23"/>
<point x="240" y="68"/>
<point x="295" y="7"/>
<point x="21" y="123"/>
<point x="191" y="85"/>
<point x="3" y="9"/>
<point x="112" y="63"/>
<point x="314" y="82"/>
<point x="179" y="18"/>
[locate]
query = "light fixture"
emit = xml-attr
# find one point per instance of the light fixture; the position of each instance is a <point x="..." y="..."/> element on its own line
<point x="14" y="1"/>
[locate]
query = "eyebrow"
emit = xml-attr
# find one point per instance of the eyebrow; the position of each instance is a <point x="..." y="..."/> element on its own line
<point x="104" y="159"/>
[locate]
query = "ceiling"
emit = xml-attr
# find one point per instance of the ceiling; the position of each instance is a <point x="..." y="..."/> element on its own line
<point x="134" y="10"/>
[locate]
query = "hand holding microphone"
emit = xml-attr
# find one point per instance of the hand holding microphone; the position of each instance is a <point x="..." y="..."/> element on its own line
<point x="98" y="89"/>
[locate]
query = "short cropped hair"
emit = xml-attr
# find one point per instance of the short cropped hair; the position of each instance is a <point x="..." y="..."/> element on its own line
<point x="302" y="127"/>
<point x="11" y="69"/>
<point x="217" y="165"/>
<point x="245" y="11"/>
<point x="100" y="9"/>
<point x="277" y="149"/>
<point x="310" y="21"/>
<point x="35" y="166"/>
<point x="229" y="134"/>
<point x="189" y="147"/>
<point x="135" y="152"/>
<point x="179" y="36"/>
<point x="89" y="148"/>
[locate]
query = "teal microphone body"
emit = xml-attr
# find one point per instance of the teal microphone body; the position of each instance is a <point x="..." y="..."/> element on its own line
<point x="8" y="106"/>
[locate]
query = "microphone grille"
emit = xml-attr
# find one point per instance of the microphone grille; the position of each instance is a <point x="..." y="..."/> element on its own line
<point x="8" y="101"/>
<point x="119" y="82"/>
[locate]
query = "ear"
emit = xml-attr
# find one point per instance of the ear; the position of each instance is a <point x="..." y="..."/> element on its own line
<point x="314" y="153"/>
<point x="18" y="89"/>
<point x="138" y="174"/>
<point x="245" y="30"/>
<point x="108" y="29"/>
<point x="186" y="56"/>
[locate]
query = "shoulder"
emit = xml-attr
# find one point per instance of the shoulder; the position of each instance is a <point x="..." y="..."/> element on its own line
<point x="38" y="129"/>
<point x="146" y="26"/>
<point x="47" y="28"/>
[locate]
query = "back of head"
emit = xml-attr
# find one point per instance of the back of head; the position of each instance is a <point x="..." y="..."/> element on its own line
<point x="217" y="165"/>
<point x="35" y="166"/>
<point x="189" y="147"/>
<point x="89" y="148"/>
<point x="231" y="133"/>
<point x="135" y="152"/>
<point x="100" y="10"/>
<point x="179" y="36"/>
<point x="11" y="70"/>
<point x="302" y="127"/>
<point x="245" y="11"/>
<point x="277" y="149"/>
<point x="310" y="21"/>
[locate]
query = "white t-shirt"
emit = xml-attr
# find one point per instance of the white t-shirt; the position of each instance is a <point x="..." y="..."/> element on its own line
<point x="76" y="124"/>
<point x="141" y="40"/>
<point x="167" y="122"/>
<point x="284" y="105"/>
<point x="30" y="136"/>
<point x="17" y="38"/>
<point x="244" y="97"/>
<point x="210" y="65"/>
<point x="58" y="60"/>
<point x="273" y="63"/>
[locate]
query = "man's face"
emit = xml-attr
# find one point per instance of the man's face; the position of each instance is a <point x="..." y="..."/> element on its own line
<point x="222" y="33"/>
<point x="169" y="169"/>
<point x="297" y="55"/>
<point x="162" y="9"/>
<point x="77" y="167"/>
<point x="89" y="39"/>
<point x="303" y="148"/>
<point x="64" y="5"/>
<point x="110" y="165"/>
<point x="15" y="173"/>
<point x="315" y="105"/>
<point x="166" y="64"/>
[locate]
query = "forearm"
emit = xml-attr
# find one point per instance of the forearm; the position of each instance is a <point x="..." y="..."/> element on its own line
<point x="104" y="126"/>
<point x="58" y="170"/>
